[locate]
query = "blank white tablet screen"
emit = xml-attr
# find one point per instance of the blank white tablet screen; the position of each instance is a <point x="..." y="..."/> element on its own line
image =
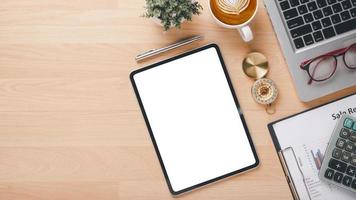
<point x="194" y="119"/>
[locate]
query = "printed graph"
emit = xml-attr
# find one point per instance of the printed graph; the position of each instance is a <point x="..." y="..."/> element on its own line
<point x="317" y="157"/>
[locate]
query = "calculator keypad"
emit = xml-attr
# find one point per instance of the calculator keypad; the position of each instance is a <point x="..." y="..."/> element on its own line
<point x="341" y="167"/>
<point x="345" y="133"/>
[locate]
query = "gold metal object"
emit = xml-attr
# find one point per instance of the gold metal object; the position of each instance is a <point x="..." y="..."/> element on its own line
<point x="264" y="91"/>
<point x="255" y="65"/>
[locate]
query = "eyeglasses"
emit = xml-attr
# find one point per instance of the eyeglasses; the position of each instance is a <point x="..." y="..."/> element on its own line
<point x="323" y="67"/>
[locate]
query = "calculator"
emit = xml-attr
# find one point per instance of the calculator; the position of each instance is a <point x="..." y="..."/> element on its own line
<point x="339" y="163"/>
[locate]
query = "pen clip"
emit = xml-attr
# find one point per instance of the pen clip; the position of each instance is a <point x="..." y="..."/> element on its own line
<point x="144" y="53"/>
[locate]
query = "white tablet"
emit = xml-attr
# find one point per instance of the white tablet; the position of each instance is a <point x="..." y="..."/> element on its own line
<point x="194" y="120"/>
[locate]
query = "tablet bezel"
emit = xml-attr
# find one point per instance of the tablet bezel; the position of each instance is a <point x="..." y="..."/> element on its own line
<point x="152" y="135"/>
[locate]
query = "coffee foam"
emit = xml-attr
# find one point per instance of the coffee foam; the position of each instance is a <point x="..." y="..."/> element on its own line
<point x="233" y="6"/>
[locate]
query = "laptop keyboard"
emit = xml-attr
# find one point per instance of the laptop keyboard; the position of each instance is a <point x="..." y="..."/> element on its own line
<point x="312" y="21"/>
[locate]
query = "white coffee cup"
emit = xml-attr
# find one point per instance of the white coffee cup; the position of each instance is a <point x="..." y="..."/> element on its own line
<point x="244" y="28"/>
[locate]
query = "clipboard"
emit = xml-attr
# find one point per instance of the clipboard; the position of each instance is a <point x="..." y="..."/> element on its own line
<point x="299" y="184"/>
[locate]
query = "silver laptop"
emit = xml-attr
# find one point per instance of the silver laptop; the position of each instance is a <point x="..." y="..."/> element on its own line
<point x="307" y="29"/>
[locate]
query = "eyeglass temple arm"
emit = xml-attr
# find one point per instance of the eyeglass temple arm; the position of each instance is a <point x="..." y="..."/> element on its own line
<point x="303" y="65"/>
<point x="333" y="53"/>
<point x="337" y="52"/>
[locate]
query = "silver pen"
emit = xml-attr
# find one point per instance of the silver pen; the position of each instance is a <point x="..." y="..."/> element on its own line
<point x="154" y="52"/>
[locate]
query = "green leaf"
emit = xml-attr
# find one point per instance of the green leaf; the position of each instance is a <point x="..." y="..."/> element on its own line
<point x="172" y="12"/>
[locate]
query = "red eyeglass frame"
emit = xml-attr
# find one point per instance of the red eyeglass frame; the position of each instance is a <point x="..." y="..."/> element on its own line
<point x="334" y="54"/>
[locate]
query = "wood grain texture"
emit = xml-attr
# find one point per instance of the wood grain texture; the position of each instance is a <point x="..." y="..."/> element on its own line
<point x="70" y="124"/>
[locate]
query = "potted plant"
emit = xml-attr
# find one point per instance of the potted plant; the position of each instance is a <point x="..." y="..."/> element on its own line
<point x="171" y="13"/>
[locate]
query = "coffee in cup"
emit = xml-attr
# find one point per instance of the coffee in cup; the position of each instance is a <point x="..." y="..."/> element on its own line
<point x="235" y="14"/>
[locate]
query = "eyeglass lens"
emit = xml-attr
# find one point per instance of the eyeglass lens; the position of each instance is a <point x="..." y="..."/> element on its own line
<point x="322" y="68"/>
<point x="350" y="57"/>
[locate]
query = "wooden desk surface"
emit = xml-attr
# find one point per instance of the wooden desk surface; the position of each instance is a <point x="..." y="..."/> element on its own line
<point x="70" y="125"/>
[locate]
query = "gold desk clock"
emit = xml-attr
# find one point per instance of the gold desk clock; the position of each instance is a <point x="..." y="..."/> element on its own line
<point x="264" y="90"/>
